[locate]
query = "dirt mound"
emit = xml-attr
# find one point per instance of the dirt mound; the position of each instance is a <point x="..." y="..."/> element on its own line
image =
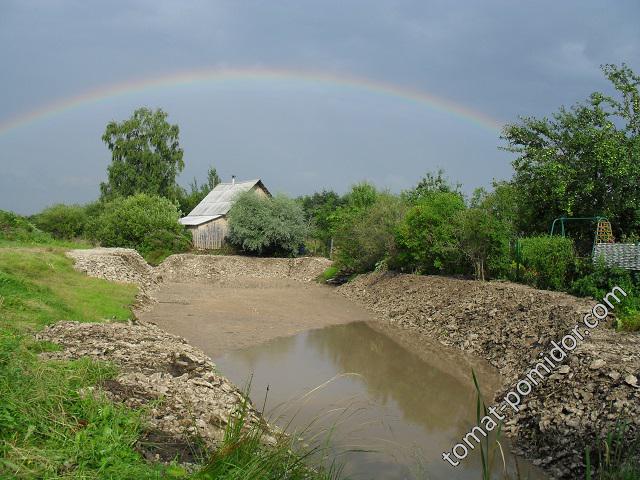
<point x="510" y="325"/>
<point x="118" y="265"/>
<point x="190" y="267"/>
<point x="193" y="401"/>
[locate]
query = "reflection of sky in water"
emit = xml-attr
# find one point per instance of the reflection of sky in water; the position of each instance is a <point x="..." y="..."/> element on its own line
<point x="407" y="407"/>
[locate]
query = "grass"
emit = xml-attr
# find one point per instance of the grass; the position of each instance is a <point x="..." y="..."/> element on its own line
<point x="244" y="457"/>
<point x="50" y="429"/>
<point x="613" y="458"/>
<point x="39" y="286"/>
<point x="47" y="428"/>
<point x="328" y="274"/>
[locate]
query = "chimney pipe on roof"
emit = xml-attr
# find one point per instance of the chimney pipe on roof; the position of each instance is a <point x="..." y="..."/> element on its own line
<point x="233" y="179"/>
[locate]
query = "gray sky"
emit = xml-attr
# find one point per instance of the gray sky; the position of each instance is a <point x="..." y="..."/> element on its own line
<point x="499" y="58"/>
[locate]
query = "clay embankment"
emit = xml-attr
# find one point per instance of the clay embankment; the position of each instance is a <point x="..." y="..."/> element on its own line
<point x="510" y="325"/>
<point x="187" y="399"/>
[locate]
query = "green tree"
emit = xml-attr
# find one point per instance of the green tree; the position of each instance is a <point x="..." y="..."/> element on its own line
<point x="267" y="226"/>
<point x="432" y="183"/>
<point x="584" y="161"/>
<point x="145" y="156"/>
<point x="364" y="239"/>
<point x="484" y="240"/>
<point x="318" y="210"/>
<point x="501" y="203"/>
<point x="426" y="237"/>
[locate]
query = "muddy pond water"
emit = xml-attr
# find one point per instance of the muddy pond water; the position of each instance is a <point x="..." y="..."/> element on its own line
<point x="390" y="402"/>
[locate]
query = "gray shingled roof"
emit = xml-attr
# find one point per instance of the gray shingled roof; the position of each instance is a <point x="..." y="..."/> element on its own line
<point x="220" y="199"/>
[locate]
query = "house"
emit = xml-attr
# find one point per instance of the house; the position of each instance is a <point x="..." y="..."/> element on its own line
<point x="208" y="221"/>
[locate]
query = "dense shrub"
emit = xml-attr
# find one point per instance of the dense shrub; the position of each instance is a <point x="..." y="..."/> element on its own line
<point x="62" y="221"/>
<point x="145" y="222"/>
<point x="365" y="236"/>
<point x="548" y="261"/>
<point x="319" y="210"/>
<point x="484" y="240"/>
<point x="13" y="227"/>
<point x="426" y="237"/>
<point x="267" y="226"/>
<point x="597" y="280"/>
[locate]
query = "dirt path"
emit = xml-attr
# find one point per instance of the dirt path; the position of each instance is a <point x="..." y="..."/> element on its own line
<point x="223" y="315"/>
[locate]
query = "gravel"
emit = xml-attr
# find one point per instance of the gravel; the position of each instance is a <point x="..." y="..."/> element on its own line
<point x="510" y="325"/>
<point x="186" y="399"/>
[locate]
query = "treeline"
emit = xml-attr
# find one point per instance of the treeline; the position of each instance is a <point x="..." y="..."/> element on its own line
<point x="583" y="162"/>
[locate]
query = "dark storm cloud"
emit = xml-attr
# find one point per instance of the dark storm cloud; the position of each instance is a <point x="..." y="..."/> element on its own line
<point x="503" y="58"/>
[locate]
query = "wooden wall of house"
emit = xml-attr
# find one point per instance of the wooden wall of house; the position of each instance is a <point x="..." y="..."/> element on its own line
<point x="211" y="235"/>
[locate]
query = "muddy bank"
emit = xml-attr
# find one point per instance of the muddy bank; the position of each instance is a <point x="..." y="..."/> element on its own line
<point x="510" y="325"/>
<point x="224" y="314"/>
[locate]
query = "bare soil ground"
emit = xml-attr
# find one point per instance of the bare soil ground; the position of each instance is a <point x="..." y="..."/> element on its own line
<point x="227" y="314"/>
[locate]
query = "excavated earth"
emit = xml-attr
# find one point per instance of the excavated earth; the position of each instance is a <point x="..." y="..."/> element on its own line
<point x="507" y="324"/>
<point x="595" y="390"/>
<point x="187" y="404"/>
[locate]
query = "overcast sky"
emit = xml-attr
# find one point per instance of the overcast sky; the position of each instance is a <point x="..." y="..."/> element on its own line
<point x="499" y="58"/>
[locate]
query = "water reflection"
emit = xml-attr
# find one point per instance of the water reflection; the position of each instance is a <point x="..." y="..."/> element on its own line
<point x="407" y="404"/>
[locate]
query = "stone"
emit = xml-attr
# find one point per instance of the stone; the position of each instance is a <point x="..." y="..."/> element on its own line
<point x="597" y="364"/>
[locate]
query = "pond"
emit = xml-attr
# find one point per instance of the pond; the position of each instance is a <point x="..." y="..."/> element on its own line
<point x="390" y="402"/>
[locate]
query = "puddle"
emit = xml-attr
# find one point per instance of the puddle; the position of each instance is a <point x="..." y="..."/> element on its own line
<point x="400" y="399"/>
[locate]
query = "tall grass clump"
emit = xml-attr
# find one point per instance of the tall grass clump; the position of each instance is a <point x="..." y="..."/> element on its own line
<point x="245" y="455"/>
<point x="613" y="458"/>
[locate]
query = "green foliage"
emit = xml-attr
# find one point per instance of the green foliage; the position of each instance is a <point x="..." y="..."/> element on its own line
<point x="501" y="203"/>
<point x="548" y="261"/>
<point x="426" y="237"/>
<point x="365" y="234"/>
<point x="145" y="156"/>
<point x="267" y="226"/>
<point x="613" y="458"/>
<point x="243" y="455"/>
<point x="144" y="222"/>
<point x="62" y="221"/>
<point x="319" y="210"/>
<point x="597" y="280"/>
<point x="15" y="228"/>
<point x="431" y="183"/>
<point x="329" y="273"/>
<point x="197" y="192"/>
<point x="584" y="161"/>
<point x="484" y="240"/>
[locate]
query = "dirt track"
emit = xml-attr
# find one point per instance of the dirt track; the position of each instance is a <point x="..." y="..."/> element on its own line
<point x="222" y="315"/>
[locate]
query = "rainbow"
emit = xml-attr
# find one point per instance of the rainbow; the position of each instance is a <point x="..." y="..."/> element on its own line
<point x="183" y="79"/>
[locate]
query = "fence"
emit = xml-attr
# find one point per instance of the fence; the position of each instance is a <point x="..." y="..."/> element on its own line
<point x="622" y="255"/>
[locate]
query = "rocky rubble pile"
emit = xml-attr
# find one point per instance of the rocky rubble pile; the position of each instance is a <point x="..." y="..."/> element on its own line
<point x="118" y="265"/>
<point x="190" y="400"/>
<point x="511" y="325"/>
<point x="190" y="267"/>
